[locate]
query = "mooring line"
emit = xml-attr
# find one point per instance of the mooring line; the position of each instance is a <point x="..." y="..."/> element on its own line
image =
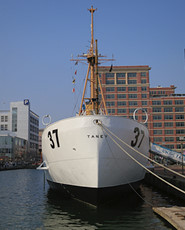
<point x="173" y="186"/>
<point x="181" y="175"/>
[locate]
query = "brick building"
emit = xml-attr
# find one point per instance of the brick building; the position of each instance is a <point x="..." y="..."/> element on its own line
<point x="127" y="92"/>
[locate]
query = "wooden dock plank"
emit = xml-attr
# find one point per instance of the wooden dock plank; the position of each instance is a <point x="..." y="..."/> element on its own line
<point x="174" y="215"/>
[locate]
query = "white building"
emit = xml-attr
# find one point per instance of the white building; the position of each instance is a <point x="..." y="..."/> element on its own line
<point x="21" y="122"/>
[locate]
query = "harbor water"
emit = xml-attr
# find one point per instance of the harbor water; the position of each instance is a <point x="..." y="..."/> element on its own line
<point x="26" y="202"/>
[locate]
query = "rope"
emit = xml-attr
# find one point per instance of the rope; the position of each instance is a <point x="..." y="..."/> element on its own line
<point x="181" y="175"/>
<point x="79" y="93"/>
<point x="173" y="186"/>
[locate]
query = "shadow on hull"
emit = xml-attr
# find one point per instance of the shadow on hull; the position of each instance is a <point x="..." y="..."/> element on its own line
<point x="95" y="196"/>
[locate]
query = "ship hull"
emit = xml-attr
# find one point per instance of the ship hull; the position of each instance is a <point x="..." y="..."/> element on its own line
<point x="83" y="160"/>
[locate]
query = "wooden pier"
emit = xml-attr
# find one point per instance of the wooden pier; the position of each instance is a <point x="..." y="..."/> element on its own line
<point x="174" y="215"/>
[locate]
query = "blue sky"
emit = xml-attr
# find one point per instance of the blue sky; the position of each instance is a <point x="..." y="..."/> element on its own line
<point x="38" y="37"/>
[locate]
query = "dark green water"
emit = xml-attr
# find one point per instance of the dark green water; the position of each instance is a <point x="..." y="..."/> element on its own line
<point x="26" y="202"/>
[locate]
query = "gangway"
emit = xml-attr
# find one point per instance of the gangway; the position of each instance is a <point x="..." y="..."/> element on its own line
<point x="167" y="153"/>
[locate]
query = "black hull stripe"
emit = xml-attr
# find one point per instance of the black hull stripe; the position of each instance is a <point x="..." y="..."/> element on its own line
<point x="93" y="196"/>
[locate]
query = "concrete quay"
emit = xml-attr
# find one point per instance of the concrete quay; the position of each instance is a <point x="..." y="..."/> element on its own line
<point x="170" y="177"/>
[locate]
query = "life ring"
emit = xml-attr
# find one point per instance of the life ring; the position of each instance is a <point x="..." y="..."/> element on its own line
<point x="46" y="123"/>
<point x="134" y="114"/>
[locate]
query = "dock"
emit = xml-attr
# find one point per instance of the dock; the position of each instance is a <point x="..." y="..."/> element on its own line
<point x="170" y="177"/>
<point x="174" y="215"/>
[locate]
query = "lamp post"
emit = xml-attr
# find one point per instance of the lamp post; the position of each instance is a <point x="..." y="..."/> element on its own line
<point x="182" y="139"/>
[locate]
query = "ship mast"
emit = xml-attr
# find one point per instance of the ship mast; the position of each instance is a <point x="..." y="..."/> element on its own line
<point x="92" y="103"/>
<point x="92" y="60"/>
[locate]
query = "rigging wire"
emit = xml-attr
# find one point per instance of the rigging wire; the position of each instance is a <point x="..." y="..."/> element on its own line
<point x="77" y="90"/>
<point x="79" y="93"/>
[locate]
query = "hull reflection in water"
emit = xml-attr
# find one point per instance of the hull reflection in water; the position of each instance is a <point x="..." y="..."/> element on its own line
<point x="131" y="212"/>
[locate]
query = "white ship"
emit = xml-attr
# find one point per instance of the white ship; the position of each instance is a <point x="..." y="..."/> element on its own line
<point x="79" y="155"/>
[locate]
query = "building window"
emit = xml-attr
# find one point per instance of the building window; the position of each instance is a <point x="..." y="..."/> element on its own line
<point x="121" y="96"/>
<point x="143" y="95"/>
<point x="121" y="82"/>
<point x="180" y="131"/>
<point x="179" y="102"/>
<point x="131" y="74"/>
<point x="144" y="88"/>
<point x="121" y="89"/>
<point x="111" y="111"/>
<point x="130" y="82"/>
<point x="110" y="89"/>
<point x="157" y="117"/>
<point x="6" y="118"/>
<point x="2" y="118"/>
<point x="168" y="124"/>
<point x="168" y="131"/>
<point x="132" y="88"/>
<point x="179" y="109"/>
<point x="168" y="110"/>
<point x="156" y="102"/>
<point x="156" y="110"/>
<point x="180" y="147"/>
<point x="121" y="103"/>
<point x="110" y="82"/>
<point x="144" y="102"/>
<point x="132" y="110"/>
<point x="110" y="96"/>
<point x="167" y="102"/>
<point x="179" y="117"/>
<point x="157" y="132"/>
<point x="143" y="74"/>
<point x="109" y="75"/>
<point x="143" y="81"/>
<point x="120" y="75"/>
<point x="168" y="117"/>
<point x="122" y="111"/>
<point x="179" y="124"/>
<point x="178" y="138"/>
<point x="110" y="103"/>
<point x="158" y="139"/>
<point x="14" y="119"/>
<point x="169" y="139"/>
<point x="132" y="96"/>
<point x="157" y="125"/>
<point x="132" y="103"/>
